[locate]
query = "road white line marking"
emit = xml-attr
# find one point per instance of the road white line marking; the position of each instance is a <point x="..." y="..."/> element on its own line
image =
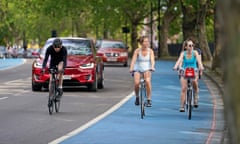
<point x="88" y="124"/>
<point x="3" y="98"/>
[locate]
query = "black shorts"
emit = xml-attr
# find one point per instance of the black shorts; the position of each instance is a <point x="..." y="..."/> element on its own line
<point x="54" y="64"/>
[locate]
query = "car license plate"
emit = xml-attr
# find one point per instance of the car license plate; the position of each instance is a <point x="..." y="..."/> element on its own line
<point x="112" y="59"/>
<point x="67" y="77"/>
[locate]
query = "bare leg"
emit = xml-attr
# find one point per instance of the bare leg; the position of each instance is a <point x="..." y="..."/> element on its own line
<point x="183" y="91"/>
<point x="148" y="84"/>
<point x="136" y="86"/>
<point x="60" y="74"/>
<point x="136" y="83"/>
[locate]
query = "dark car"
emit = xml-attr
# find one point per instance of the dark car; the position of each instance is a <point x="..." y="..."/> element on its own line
<point x="84" y="66"/>
<point x="113" y="51"/>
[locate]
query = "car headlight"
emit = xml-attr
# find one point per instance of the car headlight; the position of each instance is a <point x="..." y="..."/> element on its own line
<point x="88" y="65"/>
<point x="38" y="65"/>
<point x="123" y="54"/>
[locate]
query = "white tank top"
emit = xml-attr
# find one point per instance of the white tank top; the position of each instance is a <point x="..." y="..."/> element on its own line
<point x="143" y="63"/>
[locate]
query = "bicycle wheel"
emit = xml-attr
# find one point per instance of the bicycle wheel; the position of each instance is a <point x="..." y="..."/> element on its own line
<point x="57" y="105"/>
<point x="189" y="103"/>
<point x="51" y="98"/>
<point x="142" y="102"/>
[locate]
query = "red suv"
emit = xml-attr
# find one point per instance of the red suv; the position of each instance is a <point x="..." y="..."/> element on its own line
<point x="84" y="65"/>
<point x="113" y="51"/>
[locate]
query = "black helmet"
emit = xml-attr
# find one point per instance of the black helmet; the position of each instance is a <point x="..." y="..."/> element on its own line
<point x="57" y="43"/>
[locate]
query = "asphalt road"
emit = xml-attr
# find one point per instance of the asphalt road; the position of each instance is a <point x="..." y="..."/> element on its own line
<point x="24" y="117"/>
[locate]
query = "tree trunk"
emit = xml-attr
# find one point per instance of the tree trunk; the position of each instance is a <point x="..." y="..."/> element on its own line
<point x="163" y="41"/>
<point x="189" y="21"/>
<point x="134" y="37"/>
<point x="216" y="63"/>
<point x="168" y="17"/>
<point x="201" y="31"/>
<point x="194" y="26"/>
<point x="228" y="16"/>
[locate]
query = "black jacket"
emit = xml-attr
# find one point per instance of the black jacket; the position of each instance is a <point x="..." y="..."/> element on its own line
<point x="56" y="57"/>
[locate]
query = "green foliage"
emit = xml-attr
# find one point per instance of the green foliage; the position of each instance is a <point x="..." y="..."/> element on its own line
<point x="93" y="18"/>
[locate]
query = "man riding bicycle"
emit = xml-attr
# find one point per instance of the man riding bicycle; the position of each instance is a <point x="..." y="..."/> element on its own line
<point x="189" y="58"/>
<point x="58" y="60"/>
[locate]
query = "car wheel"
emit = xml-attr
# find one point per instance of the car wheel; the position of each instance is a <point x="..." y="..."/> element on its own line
<point x="93" y="86"/>
<point x="101" y="81"/>
<point x="36" y="87"/>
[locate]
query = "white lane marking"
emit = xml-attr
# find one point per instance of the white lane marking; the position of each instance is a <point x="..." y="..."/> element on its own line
<point x="93" y="121"/>
<point x="3" y="98"/>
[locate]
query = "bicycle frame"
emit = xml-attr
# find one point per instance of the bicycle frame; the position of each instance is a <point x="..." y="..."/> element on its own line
<point x="142" y="93"/>
<point x="189" y="74"/>
<point x="53" y="92"/>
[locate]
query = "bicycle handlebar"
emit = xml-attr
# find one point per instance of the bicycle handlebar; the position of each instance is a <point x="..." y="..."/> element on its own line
<point x="132" y="72"/>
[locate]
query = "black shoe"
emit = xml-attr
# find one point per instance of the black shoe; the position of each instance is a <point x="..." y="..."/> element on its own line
<point x="49" y="102"/>
<point x="60" y="91"/>
<point x="196" y="105"/>
<point x="149" y="103"/>
<point x="182" y="109"/>
<point x="137" y="101"/>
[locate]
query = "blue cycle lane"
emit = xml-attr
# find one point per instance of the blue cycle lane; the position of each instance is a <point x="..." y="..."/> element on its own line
<point x="10" y="63"/>
<point x="163" y="123"/>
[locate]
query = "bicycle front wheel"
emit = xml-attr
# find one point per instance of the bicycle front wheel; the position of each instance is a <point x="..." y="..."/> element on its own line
<point x="50" y="98"/>
<point x="142" y="103"/>
<point x="57" y="105"/>
<point x="50" y="105"/>
<point x="189" y="103"/>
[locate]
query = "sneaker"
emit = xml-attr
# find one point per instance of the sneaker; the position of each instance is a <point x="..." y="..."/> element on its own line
<point x="149" y="103"/>
<point x="59" y="95"/>
<point x="182" y="109"/>
<point x="60" y="91"/>
<point x="137" y="101"/>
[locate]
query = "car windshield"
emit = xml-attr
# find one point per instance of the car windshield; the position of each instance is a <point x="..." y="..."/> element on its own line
<point x="112" y="44"/>
<point x="74" y="46"/>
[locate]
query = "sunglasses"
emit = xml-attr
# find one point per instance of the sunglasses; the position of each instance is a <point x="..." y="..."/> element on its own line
<point x="56" y="46"/>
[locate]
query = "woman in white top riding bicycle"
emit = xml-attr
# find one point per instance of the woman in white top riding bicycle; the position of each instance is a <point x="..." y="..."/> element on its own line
<point x="188" y="58"/>
<point x="143" y="60"/>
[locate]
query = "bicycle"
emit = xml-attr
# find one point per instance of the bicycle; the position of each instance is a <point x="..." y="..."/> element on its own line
<point x="189" y="74"/>
<point x="142" y="94"/>
<point x="53" y="98"/>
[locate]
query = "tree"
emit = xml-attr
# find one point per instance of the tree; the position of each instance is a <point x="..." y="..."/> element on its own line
<point x="169" y="15"/>
<point x="217" y="55"/>
<point x="229" y="22"/>
<point x="194" y="14"/>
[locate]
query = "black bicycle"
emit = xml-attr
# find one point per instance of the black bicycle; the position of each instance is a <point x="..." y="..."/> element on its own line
<point x="142" y="94"/>
<point x="189" y="74"/>
<point x="53" y="98"/>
